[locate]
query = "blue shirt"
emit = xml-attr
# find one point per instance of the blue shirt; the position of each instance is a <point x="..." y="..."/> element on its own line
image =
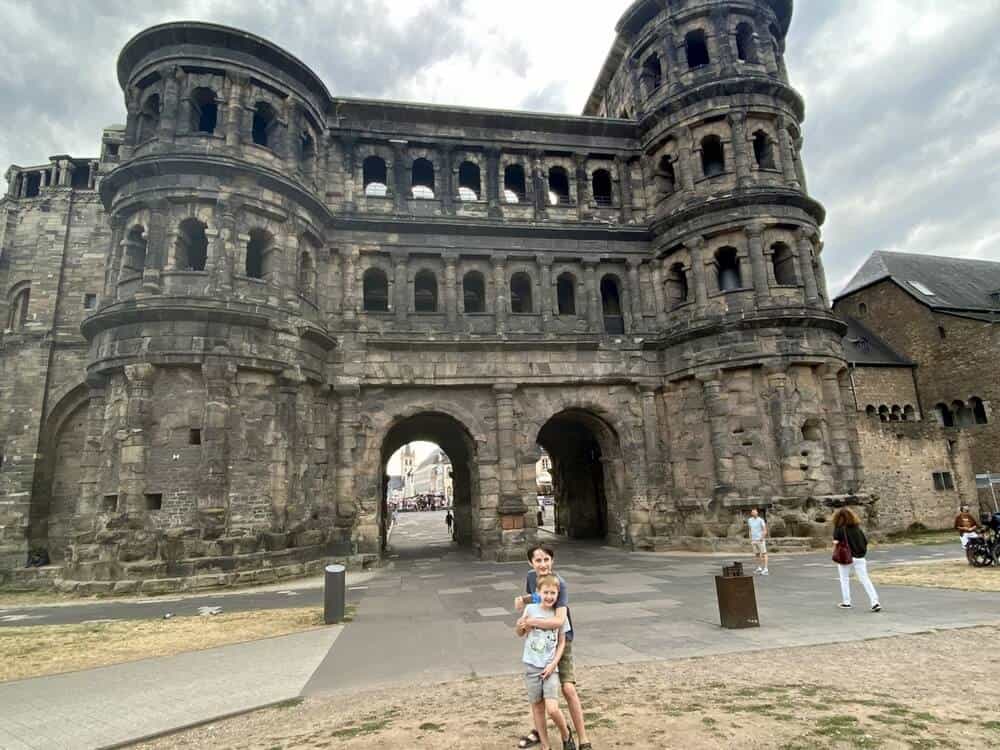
<point x="756" y="528"/>
<point x="562" y="600"/>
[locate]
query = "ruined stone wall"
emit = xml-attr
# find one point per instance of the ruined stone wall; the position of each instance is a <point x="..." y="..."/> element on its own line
<point x="891" y="387"/>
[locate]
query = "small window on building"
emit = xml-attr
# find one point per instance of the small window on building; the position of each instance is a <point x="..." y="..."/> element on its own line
<point x="425" y="292"/>
<point x="89" y="301"/>
<point x="374" y="177"/>
<point x="34" y="185"/>
<point x="942" y="333"/>
<point x="307" y="276"/>
<point x="307" y="150"/>
<point x="728" y="268"/>
<point x="514" y="190"/>
<point x="611" y="305"/>
<point x="862" y="309"/>
<point x="204" y="110"/>
<point x="963" y="414"/>
<point x="191" y="250"/>
<point x="422" y="179"/>
<point x="783" y="263"/>
<point x="566" y="294"/>
<point x="601" y="186"/>
<point x="944" y="415"/>
<point x="18" y="315"/>
<point x="469" y="185"/>
<point x="258" y="254"/>
<point x="111" y="150"/>
<point x="763" y="150"/>
<point x="135" y="252"/>
<point x="109" y="504"/>
<point x="194" y="436"/>
<point x="154" y="500"/>
<point x="713" y="156"/>
<point x="978" y="410"/>
<point x="696" y="46"/>
<point x="909" y="413"/>
<point x="746" y="44"/>
<point x="558" y="187"/>
<point x="871" y="411"/>
<point x="520" y="293"/>
<point x="676" y="286"/>
<point x="883" y="413"/>
<point x="375" y="291"/>
<point x="666" y="178"/>
<point x="474" y="292"/>
<point x="79" y="176"/>
<point x="943" y="481"/>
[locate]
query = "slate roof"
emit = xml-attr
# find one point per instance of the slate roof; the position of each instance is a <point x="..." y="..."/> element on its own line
<point x="958" y="285"/>
<point x="862" y="347"/>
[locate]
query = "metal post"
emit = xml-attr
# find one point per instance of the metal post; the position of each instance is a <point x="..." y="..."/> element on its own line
<point x="334" y="593"/>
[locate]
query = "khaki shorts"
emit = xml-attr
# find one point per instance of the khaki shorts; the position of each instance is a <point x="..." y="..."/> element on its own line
<point x="566" y="672"/>
<point x="759" y="547"/>
<point x="539" y="689"/>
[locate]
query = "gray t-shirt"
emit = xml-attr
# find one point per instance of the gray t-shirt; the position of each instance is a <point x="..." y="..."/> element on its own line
<point x="756" y="528"/>
<point x="540" y="645"/>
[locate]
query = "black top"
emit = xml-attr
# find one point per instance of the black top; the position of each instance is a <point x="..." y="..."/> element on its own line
<point x="856" y="539"/>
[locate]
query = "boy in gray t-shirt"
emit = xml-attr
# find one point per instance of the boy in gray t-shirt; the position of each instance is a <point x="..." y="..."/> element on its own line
<point x="542" y="651"/>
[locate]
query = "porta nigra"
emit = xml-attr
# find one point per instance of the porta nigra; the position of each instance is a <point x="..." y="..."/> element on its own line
<point x="220" y="329"/>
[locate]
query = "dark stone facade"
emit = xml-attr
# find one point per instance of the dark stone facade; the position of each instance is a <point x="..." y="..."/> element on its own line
<point x="288" y="286"/>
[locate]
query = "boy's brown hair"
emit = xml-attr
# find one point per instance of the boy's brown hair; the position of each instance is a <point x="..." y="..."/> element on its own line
<point x="546" y="581"/>
<point x="544" y="548"/>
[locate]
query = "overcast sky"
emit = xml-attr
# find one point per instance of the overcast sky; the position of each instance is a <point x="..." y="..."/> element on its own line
<point x="902" y="135"/>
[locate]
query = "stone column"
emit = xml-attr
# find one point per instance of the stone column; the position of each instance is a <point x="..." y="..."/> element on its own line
<point x="219" y="374"/>
<point x="718" y="422"/>
<point x="494" y="183"/>
<point x="696" y="249"/>
<point x="540" y="185"/>
<point x="595" y="314"/>
<point x="335" y="285"/>
<point x="625" y="187"/>
<point x="348" y="393"/>
<point x="349" y="304"/>
<point x="800" y="170"/>
<point x="583" y="211"/>
<point x="447" y="181"/>
<point x="651" y="436"/>
<point x="172" y="78"/>
<point x="657" y="268"/>
<point x="787" y="157"/>
<point x="805" y="251"/>
<point x="132" y="105"/>
<point x="840" y="444"/>
<point x="155" y="247"/>
<point x="93" y="448"/>
<point x="234" y="111"/>
<point x="758" y="266"/>
<point x="685" y="160"/>
<point x="401" y="286"/>
<point x="348" y="148"/>
<point x="634" y="294"/>
<point x="821" y="274"/>
<point x="737" y="123"/>
<point x="112" y="259"/>
<point x="450" y="289"/>
<point x="720" y="26"/>
<point x="224" y="253"/>
<point x="636" y="85"/>
<point x="545" y="297"/>
<point x="400" y="176"/>
<point x="132" y="461"/>
<point x="783" y="423"/>
<point x="502" y="293"/>
<point x="511" y="506"/>
<point x="670" y="55"/>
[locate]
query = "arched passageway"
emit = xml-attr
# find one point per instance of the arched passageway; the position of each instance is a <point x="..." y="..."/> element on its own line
<point x="456" y="442"/>
<point x="587" y="474"/>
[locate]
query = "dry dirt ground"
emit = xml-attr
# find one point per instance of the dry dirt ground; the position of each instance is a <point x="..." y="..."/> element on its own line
<point x="37" y="650"/>
<point x="943" y="575"/>
<point x="903" y="692"/>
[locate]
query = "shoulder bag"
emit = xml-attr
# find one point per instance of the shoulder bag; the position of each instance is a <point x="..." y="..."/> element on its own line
<point x="842" y="552"/>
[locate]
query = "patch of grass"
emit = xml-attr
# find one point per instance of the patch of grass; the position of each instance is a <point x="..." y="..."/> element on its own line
<point x="708" y="721"/>
<point x="368" y="727"/>
<point x="290" y="703"/>
<point x="430" y="726"/>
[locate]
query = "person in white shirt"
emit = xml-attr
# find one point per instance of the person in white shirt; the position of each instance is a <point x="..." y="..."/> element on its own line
<point x="758" y="540"/>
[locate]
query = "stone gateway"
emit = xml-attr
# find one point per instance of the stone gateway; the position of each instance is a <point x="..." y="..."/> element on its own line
<point x="277" y="288"/>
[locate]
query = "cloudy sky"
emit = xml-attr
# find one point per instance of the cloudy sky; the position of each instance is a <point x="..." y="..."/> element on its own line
<point x="902" y="96"/>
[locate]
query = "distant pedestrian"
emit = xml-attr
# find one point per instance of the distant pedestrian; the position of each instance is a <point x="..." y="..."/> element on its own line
<point x="847" y="530"/>
<point x="449" y="520"/>
<point x="966" y="525"/>
<point x="758" y="540"/>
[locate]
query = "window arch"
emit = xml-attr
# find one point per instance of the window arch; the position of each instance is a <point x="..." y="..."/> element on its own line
<point x="520" y="293"/>
<point x="135" y="250"/>
<point x="307" y="276"/>
<point x="896" y="413"/>
<point x="374" y="176"/>
<point x="149" y="118"/>
<point x="746" y="44"/>
<point x="978" y="410"/>
<point x="763" y="150"/>
<point x="558" y="186"/>
<point x="191" y="249"/>
<point x="566" y="293"/>
<point x="375" y="290"/>
<point x="676" y="285"/>
<point x="469" y="183"/>
<point x="944" y="415"/>
<point x="514" y="189"/>
<point x="611" y="305"/>
<point x="696" y="46"/>
<point x="909" y="413"/>
<point x="728" y="267"/>
<point x="474" y="292"/>
<point x="600" y="183"/>
<point x="422" y="179"/>
<point x="862" y="309"/>
<point x="259" y="254"/>
<point x="871" y="411"/>
<point x="204" y="110"/>
<point x="265" y="120"/>
<point x="652" y="74"/>
<point x="883" y="413"/>
<point x="17" y="318"/>
<point x="713" y="156"/>
<point x="425" y="292"/>
<point x="666" y="178"/>
<point x="783" y="263"/>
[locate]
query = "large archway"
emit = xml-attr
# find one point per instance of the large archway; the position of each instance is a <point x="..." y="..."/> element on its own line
<point x="456" y="442"/>
<point x="587" y="475"/>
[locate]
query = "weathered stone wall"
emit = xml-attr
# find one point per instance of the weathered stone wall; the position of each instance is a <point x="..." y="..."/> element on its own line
<point x="893" y="388"/>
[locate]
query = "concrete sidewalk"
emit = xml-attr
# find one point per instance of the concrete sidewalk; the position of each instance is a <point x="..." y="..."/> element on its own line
<point x="113" y="705"/>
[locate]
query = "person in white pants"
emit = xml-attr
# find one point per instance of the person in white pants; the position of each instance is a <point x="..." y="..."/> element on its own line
<point x="847" y="528"/>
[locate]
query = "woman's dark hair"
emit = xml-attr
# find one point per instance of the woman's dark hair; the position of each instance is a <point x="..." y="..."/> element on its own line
<point x="845" y="517"/>
<point x="544" y="548"/>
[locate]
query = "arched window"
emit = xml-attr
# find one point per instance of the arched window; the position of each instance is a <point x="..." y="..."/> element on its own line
<point x="676" y="285"/>
<point x="558" y="186"/>
<point x="307" y="276"/>
<point x="520" y="293"/>
<point x="611" y="304"/>
<point x="652" y="74"/>
<point x="944" y="415"/>
<point x="149" y="118"/>
<point x="307" y="150"/>
<point x="666" y="178"/>
<point x="191" y="250"/>
<point x="871" y="411"/>
<point x="259" y="252"/>
<point x="862" y="309"/>
<point x="135" y="252"/>
<point x="812" y="431"/>
<point x="909" y="413"/>
<point x="469" y="184"/>
<point x="696" y="46"/>
<point x="422" y="179"/>
<point x="784" y="264"/>
<point x="601" y="186"/>
<point x="763" y="150"/>
<point x="514" y="190"/>
<point x="375" y="290"/>
<point x="728" y="266"/>
<point x="265" y="120"/>
<point x="566" y="293"/>
<point x="713" y="156"/>
<point x="374" y="177"/>
<point x="896" y="413"/>
<point x="425" y="292"/>
<point x="18" y="316"/>
<point x="963" y="414"/>
<point x="474" y="292"/>
<point x="978" y="410"/>
<point x="746" y="45"/>
<point x="204" y="110"/>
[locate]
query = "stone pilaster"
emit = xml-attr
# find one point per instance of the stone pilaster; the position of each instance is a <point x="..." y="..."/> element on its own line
<point x="224" y="253"/>
<point x="821" y="274"/>
<point x="685" y="160"/>
<point x="450" y="289"/>
<point x="718" y="424"/>
<point x="805" y="250"/>
<point x="93" y="447"/>
<point x="511" y="507"/>
<point x="540" y="184"/>
<point x="219" y="374"/>
<point x="401" y="286"/>
<point x="583" y="211"/>
<point x="502" y="292"/>
<point x="840" y="436"/>
<point x="132" y="106"/>
<point x="447" y="181"/>
<point x="595" y="313"/>
<point x="349" y="281"/>
<point x="234" y="111"/>
<point x="545" y="297"/>
<point x="696" y="249"/>
<point x="783" y="423"/>
<point x="758" y="266"/>
<point x="651" y="436"/>
<point x="625" y="187"/>
<point x="787" y="156"/>
<point x="800" y="170"/>
<point x="494" y="183"/>
<point x="172" y="79"/>
<point x="657" y="269"/>
<point x="401" y="177"/>
<point x="349" y="422"/>
<point x="112" y="258"/>
<point x="348" y="149"/>
<point x="737" y="124"/>
<point x="156" y="247"/>
<point x="634" y="294"/>
<point x="135" y="446"/>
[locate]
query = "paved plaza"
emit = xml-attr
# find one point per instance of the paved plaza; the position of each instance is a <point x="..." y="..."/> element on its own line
<point x="435" y="614"/>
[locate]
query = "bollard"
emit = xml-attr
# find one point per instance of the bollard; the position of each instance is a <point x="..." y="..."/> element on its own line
<point x="334" y="593"/>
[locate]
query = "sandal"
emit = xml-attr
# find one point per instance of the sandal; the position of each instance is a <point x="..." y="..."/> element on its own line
<point x="529" y="740"/>
<point x="585" y="746"/>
